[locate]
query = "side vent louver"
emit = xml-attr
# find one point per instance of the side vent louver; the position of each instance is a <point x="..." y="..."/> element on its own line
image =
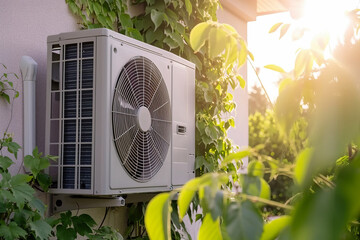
<point x="71" y="121"/>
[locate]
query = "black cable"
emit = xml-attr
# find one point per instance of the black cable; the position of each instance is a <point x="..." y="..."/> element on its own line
<point x="106" y="212"/>
<point x="38" y="188"/>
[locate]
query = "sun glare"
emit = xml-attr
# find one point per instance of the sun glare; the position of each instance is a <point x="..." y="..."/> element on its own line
<point x="327" y="17"/>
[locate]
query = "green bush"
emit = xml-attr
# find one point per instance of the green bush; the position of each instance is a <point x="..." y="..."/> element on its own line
<point x="22" y="213"/>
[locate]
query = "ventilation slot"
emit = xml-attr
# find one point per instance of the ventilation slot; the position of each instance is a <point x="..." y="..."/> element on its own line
<point x="86" y="103"/>
<point x="87" y="49"/>
<point x="86" y="130"/>
<point x="85" y="158"/>
<point x="71" y="51"/>
<point x="85" y="178"/>
<point x="87" y="73"/>
<point x="181" y="130"/>
<point x="69" y="154"/>
<point x="70" y="74"/>
<point x="68" y="177"/>
<point x="70" y="105"/>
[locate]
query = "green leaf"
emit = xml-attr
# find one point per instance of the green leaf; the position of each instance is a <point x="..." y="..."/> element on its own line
<point x="37" y="204"/>
<point x="12" y="231"/>
<point x="87" y="219"/>
<point x="216" y="205"/>
<point x="102" y="20"/>
<point x="36" y="163"/>
<point x="97" y="8"/>
<point x="251" y="185"/>
<point x="5" y="162"/>
<point x="188" y="7"/>
<point x="283" y="84"/>
<point x="235" y="156"/>
<point x="20" y="179"/>
<point x="188" y="191"/>
<point x="216" y="40"/>
<point x="265" y="190"/>
<point x="126" y="20"/>
<point x="63" y="233"/>
<point x="273" y="228"/>
<point x="323" y="215"/>
<point x="198" y="35"/>
<point x="22" y="193"/>
<point x="66" y="218"/>
<point x="112" y="16"/>
<point x="157" y="217"/>
<point x="243" y="221"/>
<point x="302" y="62"/>
<point x="12" y="147"/>
<point x="171" y="43"/>
<point x="256" y="169"/>
<point x="177" y="38"/>
<point x="44" y="181"/>
<point x="302" y="166"/>
<point x="5" y="96"/>
<point x="231" y="51"/>
<point x="210" y="229"/>
<point x="134" y="33"/>
<point x="80" y="226"/>
<point x="242" y="52"/>
<point x="74" y="8"/>
<point x="241" y="81"/>
<point x="284" y="30"/>
<point x="275" y="68"/>
<point x="157" y="18"/>
<point x="151" y="35"/>
<point x="275" y="27"/>
<point x="208" y="96"/>
<point x="41" y="228"/>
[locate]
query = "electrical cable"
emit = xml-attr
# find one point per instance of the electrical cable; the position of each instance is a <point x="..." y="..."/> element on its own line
<point x="102" y="222"/>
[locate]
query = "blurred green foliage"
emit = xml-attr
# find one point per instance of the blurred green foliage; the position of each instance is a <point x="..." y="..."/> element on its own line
<point x="323" y="160"/>
<point x="264" y="132"/>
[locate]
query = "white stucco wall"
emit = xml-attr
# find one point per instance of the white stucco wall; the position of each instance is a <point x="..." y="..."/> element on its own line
<point x="24" y="27"/>
<point x="240" y="133"/>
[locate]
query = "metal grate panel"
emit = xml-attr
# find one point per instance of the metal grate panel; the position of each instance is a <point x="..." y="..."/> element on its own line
<point x="74" y="116"/>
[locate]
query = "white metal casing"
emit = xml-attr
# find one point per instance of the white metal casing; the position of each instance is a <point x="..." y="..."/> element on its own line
<point x="111" y="52"/>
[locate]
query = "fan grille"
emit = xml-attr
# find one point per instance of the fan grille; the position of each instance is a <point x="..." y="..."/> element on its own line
<point x="140" y="84"/>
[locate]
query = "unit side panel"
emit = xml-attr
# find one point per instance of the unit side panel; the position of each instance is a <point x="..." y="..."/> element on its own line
<point x="103" y="116"/>
<point x="183" y="129"/>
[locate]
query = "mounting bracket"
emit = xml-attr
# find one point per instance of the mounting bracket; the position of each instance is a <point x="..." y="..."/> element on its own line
<point x="63" y="202"/>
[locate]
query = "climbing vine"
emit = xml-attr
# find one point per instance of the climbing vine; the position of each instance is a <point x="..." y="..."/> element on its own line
<point x="167" y="24"/>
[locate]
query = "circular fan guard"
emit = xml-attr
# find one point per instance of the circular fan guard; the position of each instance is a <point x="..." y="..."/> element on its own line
<point x="141" y="88"/>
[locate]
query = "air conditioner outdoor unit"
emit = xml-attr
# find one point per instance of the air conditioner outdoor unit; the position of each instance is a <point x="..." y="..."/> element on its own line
<point x="120" y="115"/>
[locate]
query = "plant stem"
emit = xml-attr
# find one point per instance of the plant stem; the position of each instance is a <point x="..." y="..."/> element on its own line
<point x="262" y="85"/>
<point x="263" y="200"/>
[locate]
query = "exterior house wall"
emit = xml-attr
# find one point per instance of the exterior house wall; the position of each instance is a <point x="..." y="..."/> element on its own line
<point x="240" y="133"/>
<point x="25" y="26"/>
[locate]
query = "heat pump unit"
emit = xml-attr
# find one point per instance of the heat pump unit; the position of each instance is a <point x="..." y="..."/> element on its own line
<point x="120" y="115"/>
